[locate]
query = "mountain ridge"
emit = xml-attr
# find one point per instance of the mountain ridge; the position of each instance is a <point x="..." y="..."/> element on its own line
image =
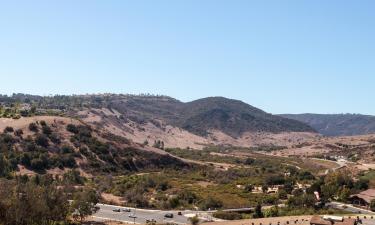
<point x="337" y="124"/>
<point x="148" y="118"/>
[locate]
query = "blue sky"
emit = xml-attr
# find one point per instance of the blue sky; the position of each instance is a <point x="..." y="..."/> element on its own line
<point x="281" y="56"/>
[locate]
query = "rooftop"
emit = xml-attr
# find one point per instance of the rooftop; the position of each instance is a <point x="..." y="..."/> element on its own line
<point x="367" y="195"/>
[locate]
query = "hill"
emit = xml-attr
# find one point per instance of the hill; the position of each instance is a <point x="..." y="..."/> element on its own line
<point x="233" y="117"/>
<point x="337" y="124"/>
<point x="153" y="119"/>
<point x="50" y="144"/>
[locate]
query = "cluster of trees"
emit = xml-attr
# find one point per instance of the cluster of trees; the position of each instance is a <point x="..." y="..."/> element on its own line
<point x="38" y="201"/>
<point x="110" y="157"/>
<point x="158" y="144"/>
<point x="338" y="185"/>
<point x="34" y="150"/>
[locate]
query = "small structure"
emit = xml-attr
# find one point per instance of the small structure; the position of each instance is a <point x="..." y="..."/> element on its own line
<point x="331" y="220"/>
<point x="270" y="189"/>
<point x="364" y="198"/>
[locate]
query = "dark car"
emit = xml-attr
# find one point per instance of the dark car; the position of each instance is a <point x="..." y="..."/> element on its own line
<point x="168" y="215"/>
<point x="126" y="210"/>
<point x="116" y="210"/>
<point x="179" y="213"/>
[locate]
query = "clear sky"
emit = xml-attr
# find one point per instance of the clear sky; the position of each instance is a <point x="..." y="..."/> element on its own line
<point x="281" y="56"/>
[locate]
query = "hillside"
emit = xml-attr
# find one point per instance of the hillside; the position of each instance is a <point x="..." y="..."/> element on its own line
<point x="50" y="144"/>
<point x="337" y="124"/>
<point x="153" y="119"/>
<point x="233" y="117"/>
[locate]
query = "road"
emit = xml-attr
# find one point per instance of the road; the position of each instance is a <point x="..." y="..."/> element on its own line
<point x="106" y="213"/>
<point x="349" y="208"/>
<point x="341" y="163"/>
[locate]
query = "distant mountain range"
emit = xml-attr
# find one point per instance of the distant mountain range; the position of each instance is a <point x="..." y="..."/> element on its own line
<point x="203" y="117"/>
<point x="337" y="124"/>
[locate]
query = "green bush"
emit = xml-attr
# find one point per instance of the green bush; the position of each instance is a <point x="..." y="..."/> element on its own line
<point x="227" y="215"/>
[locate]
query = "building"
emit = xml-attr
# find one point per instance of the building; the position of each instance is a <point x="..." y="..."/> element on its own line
<point x="331" y="220"/>
<point x="364" y="198"/>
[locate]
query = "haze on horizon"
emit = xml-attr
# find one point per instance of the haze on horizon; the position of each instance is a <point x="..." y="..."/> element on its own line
<point x="283" y="57"/>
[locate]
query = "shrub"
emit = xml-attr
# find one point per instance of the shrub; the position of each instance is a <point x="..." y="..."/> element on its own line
<point x="8" y="130"/>
<point x="55" y="138"/>
<point x="194" y="220"/>
<point x="43" y="123"/>
<point x="72" y="128"/>
<point x="42" y="140"/>
<point x="372" y="205"/>
<point x="33" y="127"/>
<point x="46" y="130"/>
<point x="227" y="215"/>
<point x="18" y="132"/>
<point x="211" y="203"/>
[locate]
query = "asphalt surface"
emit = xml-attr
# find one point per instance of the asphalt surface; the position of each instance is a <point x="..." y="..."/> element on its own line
<point x="108" y="212"/>
<point x="349" y="208"/>
<point x="141" y="215"/>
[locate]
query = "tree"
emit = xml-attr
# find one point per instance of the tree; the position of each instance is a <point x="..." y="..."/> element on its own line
<point x="372" y="205"/>
<point x="46" y="130"/>
<point x="30" y="204"/>
<point x="42" y="140"/>
<point x="258" y="212"/>
<point x="83" y="204"/>
<point x="282" y="194"/>
<point x="8" y="130"/>
<point x="210" y="203"/>
<point x="344" y="194"/>
<point x="33" y="127"/>
<point x="249" y="187"/>
<point x="194" y="220"/>
<point x="272" y="212"/>
<point x="264" y="188"/>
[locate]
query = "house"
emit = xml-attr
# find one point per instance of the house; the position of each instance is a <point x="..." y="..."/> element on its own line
<point x="270" y="190"/>
<point x="302" y="186"/>
<point x="364" y="198"/>
<point x="331" y="220"/>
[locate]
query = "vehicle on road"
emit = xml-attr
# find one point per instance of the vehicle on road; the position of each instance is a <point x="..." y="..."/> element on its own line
<point x="168" y="215"/>
<point x="116" y="210"/>
<point x="132" y="216"/>
<point x="126" y="210"/>
<point x="179" y="213"/>
<point x="151" y="221"/>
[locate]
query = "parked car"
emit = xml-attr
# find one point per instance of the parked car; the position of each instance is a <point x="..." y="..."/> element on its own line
<point x="116" y="210"/>
<point x="179" y="213"/>
<point x="133" y="216"/>
<point x="126" y="210"/>
<point x="168" y="215"/>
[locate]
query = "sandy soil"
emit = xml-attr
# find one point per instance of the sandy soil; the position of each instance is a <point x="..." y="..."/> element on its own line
<point x="112" y="199"/>
<point x="178" y="138"/>
<point x="24" y="122"/>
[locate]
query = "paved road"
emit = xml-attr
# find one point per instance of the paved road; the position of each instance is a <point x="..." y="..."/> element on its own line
<point x="349" y="208"/>
<point x="106" y="213"/>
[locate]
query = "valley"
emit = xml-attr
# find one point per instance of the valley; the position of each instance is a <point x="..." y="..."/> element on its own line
<point x="156" y="153"/>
